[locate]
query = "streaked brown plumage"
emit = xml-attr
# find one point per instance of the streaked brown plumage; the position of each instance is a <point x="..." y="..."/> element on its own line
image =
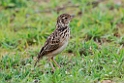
<point x="58" y="40"/>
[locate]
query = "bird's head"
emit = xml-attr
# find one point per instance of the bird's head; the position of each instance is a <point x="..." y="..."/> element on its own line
<point x="64" y="19"/>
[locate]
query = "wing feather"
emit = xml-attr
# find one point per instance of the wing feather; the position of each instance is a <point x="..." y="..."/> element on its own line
<point x="52" y="43"/>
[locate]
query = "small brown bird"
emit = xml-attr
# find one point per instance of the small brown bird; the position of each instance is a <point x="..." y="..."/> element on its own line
<point x="58" y="40"/>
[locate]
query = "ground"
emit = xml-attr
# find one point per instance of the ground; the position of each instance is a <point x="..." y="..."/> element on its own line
<point x="95" y="53"/>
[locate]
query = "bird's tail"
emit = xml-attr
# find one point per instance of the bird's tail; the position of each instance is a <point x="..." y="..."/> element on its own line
<point x="40" y="55"/>
<point x="38" y="59"/>
<point x="36" y="62"/>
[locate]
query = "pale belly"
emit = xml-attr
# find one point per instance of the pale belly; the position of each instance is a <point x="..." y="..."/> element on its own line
<point x="58" y="50"/>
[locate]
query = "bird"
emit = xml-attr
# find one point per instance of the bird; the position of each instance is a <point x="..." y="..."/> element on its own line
<point x="57" y="41"/>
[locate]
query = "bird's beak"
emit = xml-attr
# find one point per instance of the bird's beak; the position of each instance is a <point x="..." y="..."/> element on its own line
<point x="72" y="16"/>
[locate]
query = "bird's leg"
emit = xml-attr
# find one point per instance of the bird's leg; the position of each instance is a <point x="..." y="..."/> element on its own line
<point x="55" y="62"/>
<point x="51" y="64"/>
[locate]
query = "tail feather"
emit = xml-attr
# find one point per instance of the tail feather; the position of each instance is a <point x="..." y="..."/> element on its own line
<point x="38" y="59"/>
<point x="36" y="62"/>
<point x="40" y="55"/>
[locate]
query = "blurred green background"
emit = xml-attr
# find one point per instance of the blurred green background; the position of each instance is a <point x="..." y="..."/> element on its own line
<point x="95" y="53"/>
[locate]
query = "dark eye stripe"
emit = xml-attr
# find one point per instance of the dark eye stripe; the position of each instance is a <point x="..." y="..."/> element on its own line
<point x="62" y="20"/>
<point x="66" y="18"/>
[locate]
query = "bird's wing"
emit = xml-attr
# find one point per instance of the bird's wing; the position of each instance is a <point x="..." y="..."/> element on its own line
<point x="53" y="42"/>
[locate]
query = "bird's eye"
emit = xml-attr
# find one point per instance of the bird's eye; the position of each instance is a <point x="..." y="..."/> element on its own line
<point x="66" y="18"/>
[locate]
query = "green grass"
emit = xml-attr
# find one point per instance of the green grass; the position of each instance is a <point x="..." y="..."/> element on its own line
<point x="95" y="51"/>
